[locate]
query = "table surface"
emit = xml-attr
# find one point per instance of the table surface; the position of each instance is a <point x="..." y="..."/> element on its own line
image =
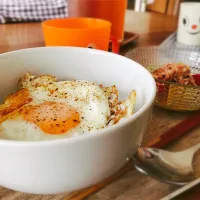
<point x="153" y="29"/>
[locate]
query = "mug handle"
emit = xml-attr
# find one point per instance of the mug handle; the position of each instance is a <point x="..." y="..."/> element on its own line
<point x="115" y="44"/>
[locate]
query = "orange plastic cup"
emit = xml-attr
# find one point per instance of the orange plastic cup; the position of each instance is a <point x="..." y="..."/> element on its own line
<point x="79" y="32"/>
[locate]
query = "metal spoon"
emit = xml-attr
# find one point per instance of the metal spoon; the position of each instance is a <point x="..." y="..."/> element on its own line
<point x="165" y="166"/>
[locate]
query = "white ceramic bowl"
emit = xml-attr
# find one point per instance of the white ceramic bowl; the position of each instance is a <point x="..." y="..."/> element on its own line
<point x="70" y="164"/>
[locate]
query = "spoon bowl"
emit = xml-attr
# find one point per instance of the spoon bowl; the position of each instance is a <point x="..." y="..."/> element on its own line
<point x="165" y="166"/>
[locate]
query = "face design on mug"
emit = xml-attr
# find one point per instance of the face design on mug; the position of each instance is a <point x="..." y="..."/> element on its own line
<point x="191" y="24"/>
<point x="188" y="32"/>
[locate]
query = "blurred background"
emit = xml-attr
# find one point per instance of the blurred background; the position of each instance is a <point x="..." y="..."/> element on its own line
<point x="169" y="7"/>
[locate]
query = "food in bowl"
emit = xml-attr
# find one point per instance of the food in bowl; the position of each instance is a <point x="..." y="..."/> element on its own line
<point x="174" y="72"/>
<point x="170" y="94"/>
<point x="66" y="165"/>
<point x="177" y="87"/>
<point x="44" y="108"/>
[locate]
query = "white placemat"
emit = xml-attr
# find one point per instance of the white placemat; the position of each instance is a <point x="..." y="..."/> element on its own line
<point x="171" y="42"/>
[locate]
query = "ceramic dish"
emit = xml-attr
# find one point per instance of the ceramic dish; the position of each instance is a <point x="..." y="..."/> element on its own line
<point x="70" y="164"/>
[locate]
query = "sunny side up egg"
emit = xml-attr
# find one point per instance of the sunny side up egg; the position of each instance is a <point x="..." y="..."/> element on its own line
<point x="45" y="109"/>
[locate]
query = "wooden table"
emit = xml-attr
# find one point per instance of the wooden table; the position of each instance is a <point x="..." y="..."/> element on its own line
<point x="153" y="29"/>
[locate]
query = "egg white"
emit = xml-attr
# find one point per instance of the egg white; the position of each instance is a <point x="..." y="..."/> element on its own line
<point x="19" y="129"/>
<point x="87" y="98"/>
<point x="98" y="107"/>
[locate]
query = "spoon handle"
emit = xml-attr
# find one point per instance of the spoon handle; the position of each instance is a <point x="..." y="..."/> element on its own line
<point x="176" y="131"/>
<point x="176" y="194"/>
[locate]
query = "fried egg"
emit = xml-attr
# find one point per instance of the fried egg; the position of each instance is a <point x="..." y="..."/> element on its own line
<point x="44" y="108"/>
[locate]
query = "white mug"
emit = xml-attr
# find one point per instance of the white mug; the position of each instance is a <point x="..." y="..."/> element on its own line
<point x="189" y="24"/>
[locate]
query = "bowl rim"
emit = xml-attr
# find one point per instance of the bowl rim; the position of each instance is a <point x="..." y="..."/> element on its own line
<point x="92" y="134"/>
<point x="47" y="24"/>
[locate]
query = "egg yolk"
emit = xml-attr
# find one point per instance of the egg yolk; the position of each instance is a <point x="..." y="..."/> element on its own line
<point x="52" y="117"/>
